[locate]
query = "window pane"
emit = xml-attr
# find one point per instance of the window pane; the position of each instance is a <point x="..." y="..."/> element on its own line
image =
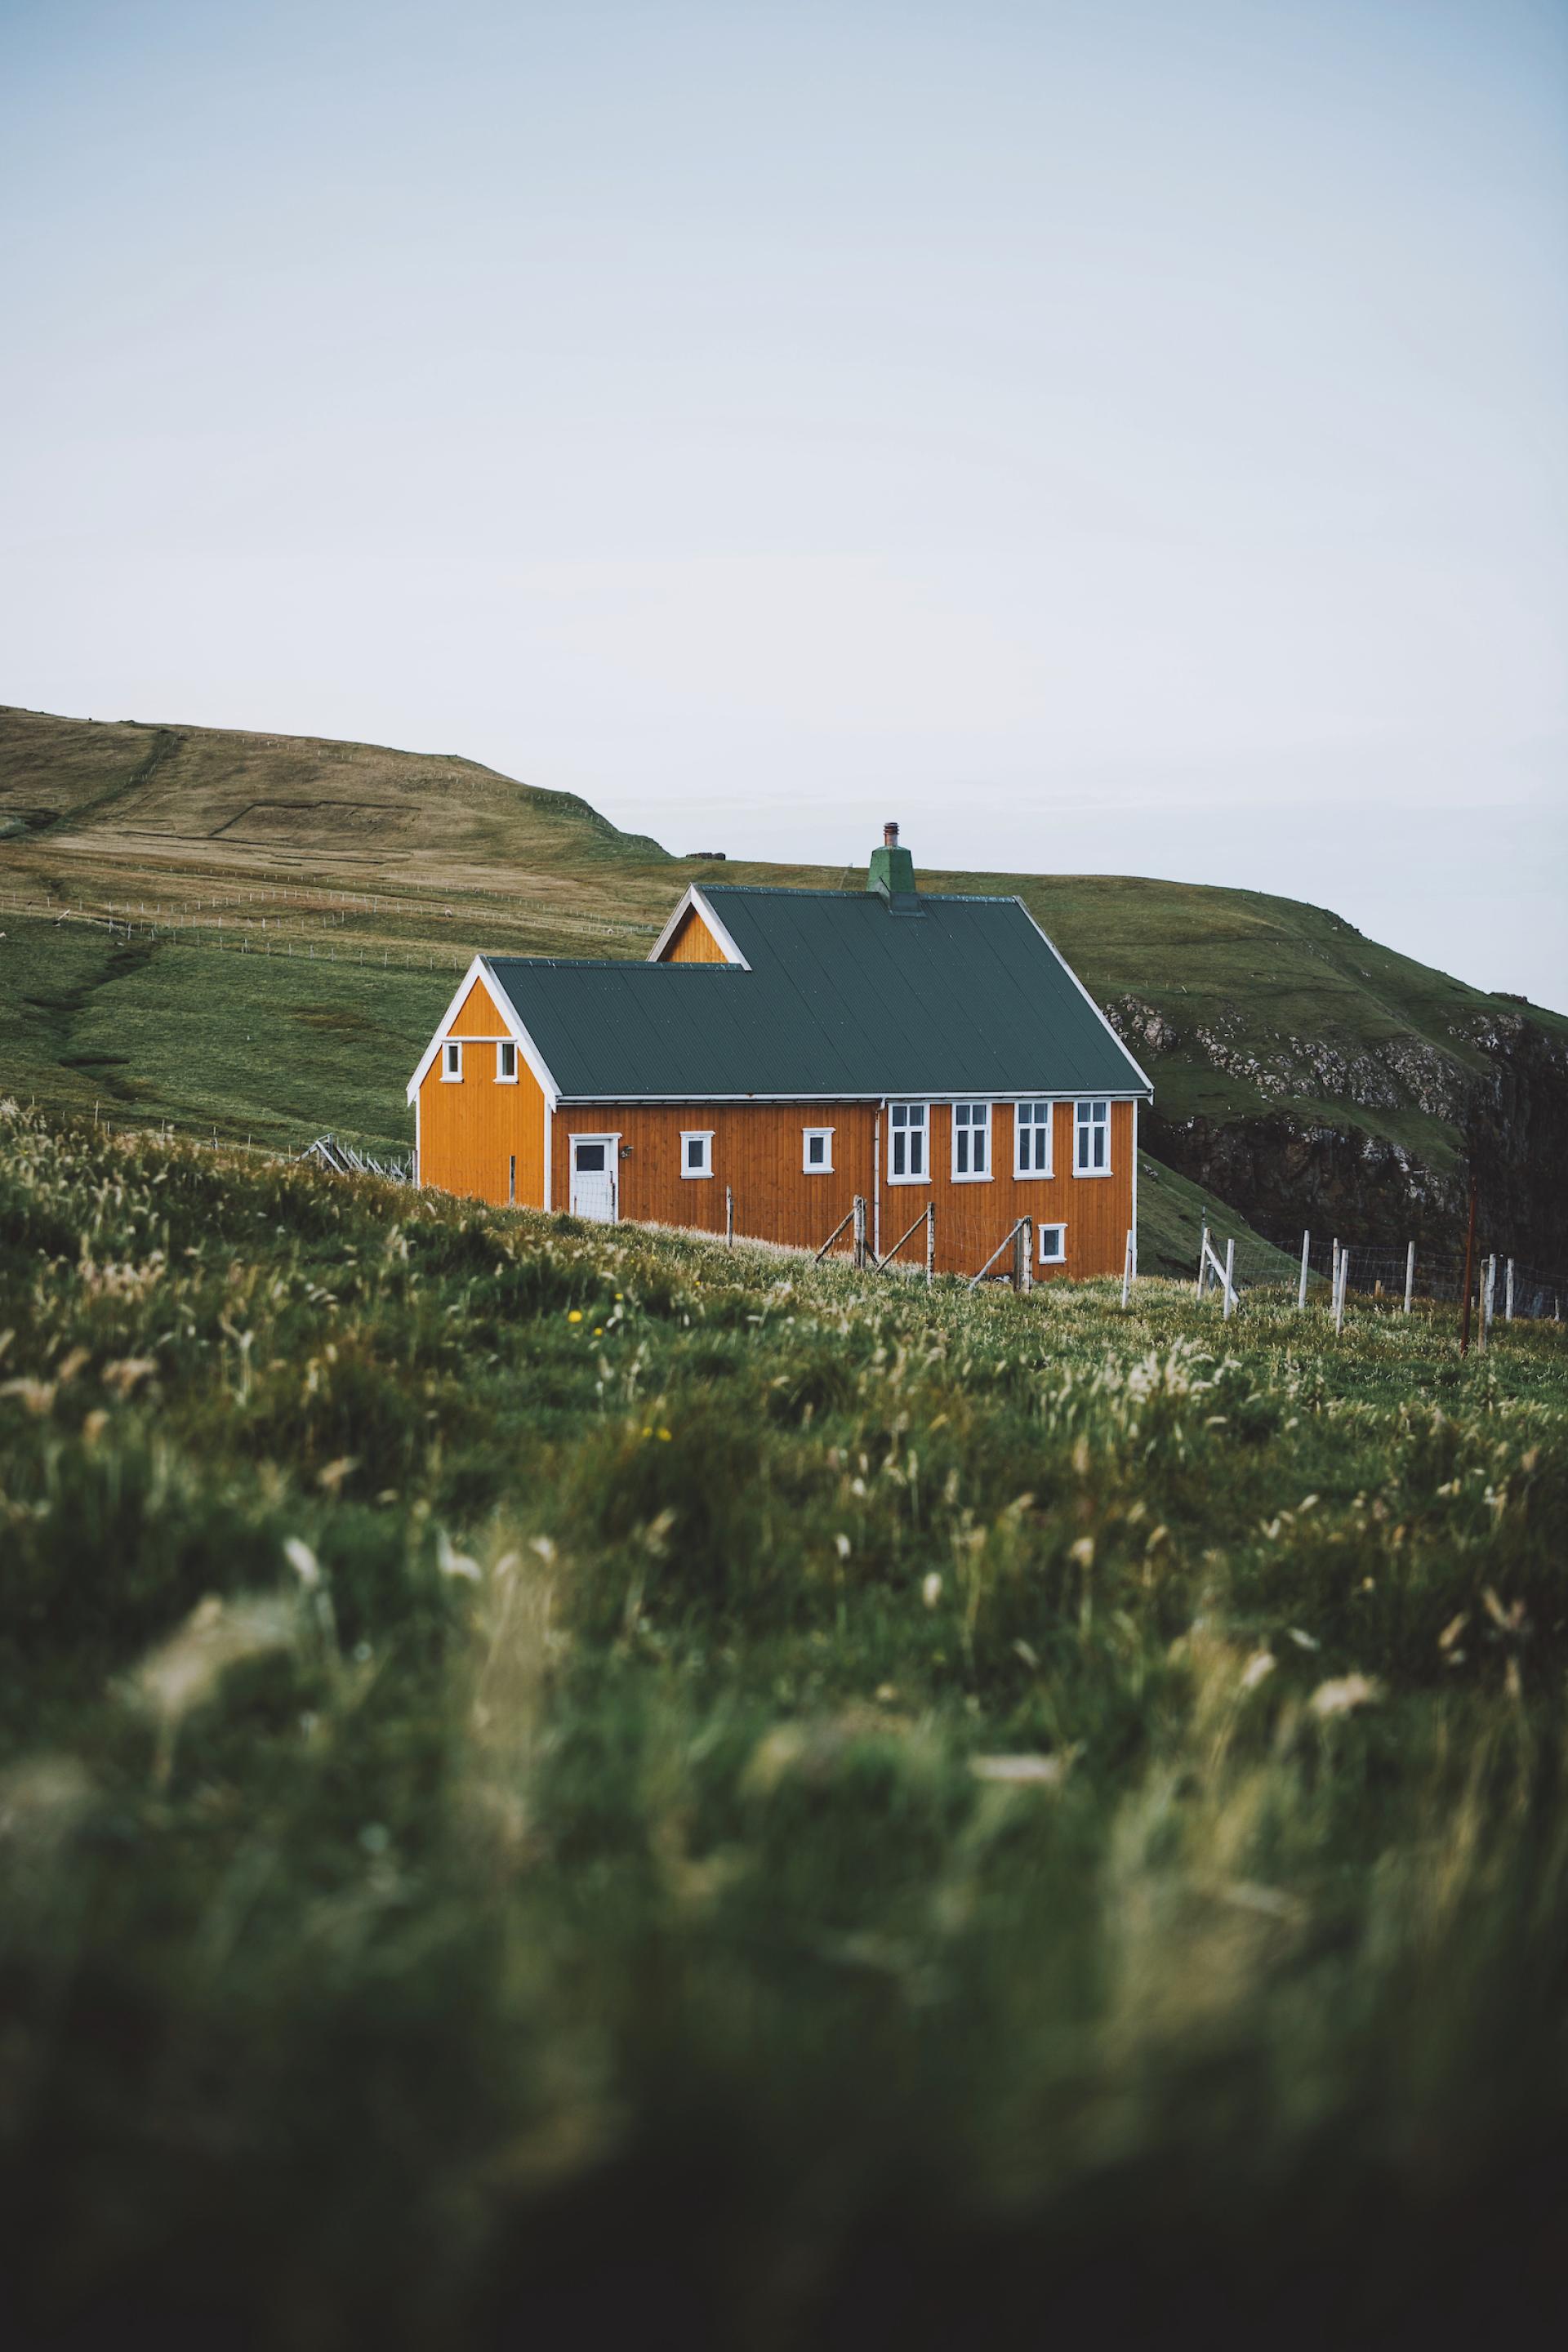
<point x="590" y="1158"/>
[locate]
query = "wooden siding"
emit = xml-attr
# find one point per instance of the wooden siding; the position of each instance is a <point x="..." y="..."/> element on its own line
<point x="758" y="1149"/>
<point x="471" y="1129"/>
<point x="478" y="1015"/>
<point x="693" y="942"/>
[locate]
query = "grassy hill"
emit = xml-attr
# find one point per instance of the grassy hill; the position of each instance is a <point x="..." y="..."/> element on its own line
<point x="584" y="1785"/>
<point x="1302" y="1072"/>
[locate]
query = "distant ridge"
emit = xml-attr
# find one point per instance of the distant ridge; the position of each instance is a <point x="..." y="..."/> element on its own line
<point x="291" y="792"/>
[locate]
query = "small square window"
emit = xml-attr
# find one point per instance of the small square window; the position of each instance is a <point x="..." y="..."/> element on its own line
<point x="452" y="1061"/>
<point x="816" y="1150"/>
<point x="696" y="1152"/>
<point x="1031" y="1139"/>
<point x="1053" y="1244"/>
<point x="505" y="1062"/>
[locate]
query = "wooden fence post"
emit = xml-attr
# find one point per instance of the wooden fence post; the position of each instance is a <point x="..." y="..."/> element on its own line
<point x="1229" y="1278"/>
<point x="1023" y="1257"/>
<point x="1489" y="1300"/>
<point x="1341" y="1280"/>
<point x="730" y="1214"/>
<point x="1507" y="1294"/>
<point x="1409" y="1277"/>
<point x="1469" y="1265"/>
<point x="1127" y="1270"/>
<point x="1306" y="1255"/>
<point x="1202" y="1261"/>
<point x="930" y="1243"/>
<point x="860" y="1216"/>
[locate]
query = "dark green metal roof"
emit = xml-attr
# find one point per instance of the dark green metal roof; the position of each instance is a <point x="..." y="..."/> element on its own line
<point x="848" y="996"/>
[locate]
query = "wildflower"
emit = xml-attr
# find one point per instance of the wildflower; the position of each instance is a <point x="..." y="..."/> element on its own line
<point x="452" y="1562"/>
<point x="303" y="1561"/>
<point x="1022" y="1771"/>
<point x="931" y="1588"/>
<point x="841" y="1546"/>
<point x="186" y="1669"/>
<point x="1082" y="1551"/>
<point x="36" y="1395"/>
<point x="1343" y="1696"/>
<point x="574" y="1315"/>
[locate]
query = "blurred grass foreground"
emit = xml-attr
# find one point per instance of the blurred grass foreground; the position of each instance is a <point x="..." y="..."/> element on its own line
<point x="564" y="1785"/>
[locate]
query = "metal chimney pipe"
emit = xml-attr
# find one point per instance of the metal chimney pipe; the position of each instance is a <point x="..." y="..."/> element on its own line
<point x="891" y="835"/>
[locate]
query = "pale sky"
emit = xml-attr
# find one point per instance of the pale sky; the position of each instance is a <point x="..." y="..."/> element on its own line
<point x="1106" y="436"/>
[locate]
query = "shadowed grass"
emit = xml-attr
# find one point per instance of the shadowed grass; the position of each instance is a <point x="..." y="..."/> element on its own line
<point x="554" y="1780"/>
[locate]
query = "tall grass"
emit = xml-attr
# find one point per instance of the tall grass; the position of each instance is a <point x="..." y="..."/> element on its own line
<point x="555" y="1779"/>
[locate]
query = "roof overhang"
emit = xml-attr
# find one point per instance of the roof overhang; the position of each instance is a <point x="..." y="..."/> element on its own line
<point x="920" y="1094"/>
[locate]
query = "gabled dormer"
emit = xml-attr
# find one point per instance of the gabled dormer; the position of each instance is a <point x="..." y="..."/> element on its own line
<point x="695" y="933"/>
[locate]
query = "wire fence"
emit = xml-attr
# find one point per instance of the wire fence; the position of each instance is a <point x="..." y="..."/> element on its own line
<point x="288" y="934"/>
<point x="1390" y="1277"/>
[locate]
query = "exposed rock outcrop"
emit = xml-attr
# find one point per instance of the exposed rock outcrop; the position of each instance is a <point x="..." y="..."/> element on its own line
<point x="1499" y="1100"/>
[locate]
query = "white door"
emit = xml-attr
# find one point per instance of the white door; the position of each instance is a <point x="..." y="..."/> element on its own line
<point x="594" y="1178"/>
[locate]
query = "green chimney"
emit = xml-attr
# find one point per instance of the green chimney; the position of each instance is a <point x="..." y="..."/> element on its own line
<point x="891" y="872"/>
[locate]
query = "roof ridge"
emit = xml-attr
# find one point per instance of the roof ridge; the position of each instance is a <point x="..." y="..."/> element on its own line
<point x="855" y="898"/>
<point x="600" y="963"/>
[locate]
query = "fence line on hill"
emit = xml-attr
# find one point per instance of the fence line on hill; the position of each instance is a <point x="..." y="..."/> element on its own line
<point x="274" y="934"/>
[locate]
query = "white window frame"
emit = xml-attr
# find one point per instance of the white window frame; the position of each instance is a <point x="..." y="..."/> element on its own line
<point x="704" y="1136"/>
<point x="921" y="1127"/>
<point x="967" y="1131"/>
<point x="1084" y="1128"/>
<point x="505" y="1046"/>
<point x="1022" y="1133"/>
<point x="451" y="1061"/>
<point x="1047" y="1257"/>
<point x="808" y="1136"/>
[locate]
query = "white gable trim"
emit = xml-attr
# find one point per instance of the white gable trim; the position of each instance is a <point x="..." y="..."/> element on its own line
<point x="480" y="971"/>
<point x="1101" y="1093"/>
<point x="695" y="903"/>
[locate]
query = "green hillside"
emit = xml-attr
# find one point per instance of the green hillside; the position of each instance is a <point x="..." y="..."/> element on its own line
<point x="1298" y="1067"/>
